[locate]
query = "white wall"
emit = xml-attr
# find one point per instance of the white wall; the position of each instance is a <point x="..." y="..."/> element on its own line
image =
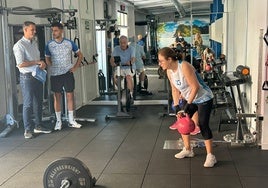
<point x="237" y="35"/>
<point x="256" y="21"/>
<point x="216" y="30"/>
<point x="256" y="56"/>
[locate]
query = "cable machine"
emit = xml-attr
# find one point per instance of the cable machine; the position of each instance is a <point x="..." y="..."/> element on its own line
<point x="9" y="118"/>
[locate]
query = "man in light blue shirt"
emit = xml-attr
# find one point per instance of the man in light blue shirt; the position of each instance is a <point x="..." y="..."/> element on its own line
<point x="139" y="57"/>
<point x="140" y="41"/>
<point x="27" y="57"/>
<point x="127" y="56"/>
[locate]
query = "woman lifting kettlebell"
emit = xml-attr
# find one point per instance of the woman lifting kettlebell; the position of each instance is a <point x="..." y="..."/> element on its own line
<point x="186" y="83"/>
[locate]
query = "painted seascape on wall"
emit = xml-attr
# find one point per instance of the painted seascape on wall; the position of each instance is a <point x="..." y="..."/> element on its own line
<point x="167" y="32"/>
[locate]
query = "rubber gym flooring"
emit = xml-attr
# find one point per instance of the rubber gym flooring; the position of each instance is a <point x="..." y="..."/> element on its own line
<point x="129" y="153"/>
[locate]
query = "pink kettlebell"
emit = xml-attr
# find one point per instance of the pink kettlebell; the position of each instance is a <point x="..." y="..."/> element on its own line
<point x="185" y="125"/>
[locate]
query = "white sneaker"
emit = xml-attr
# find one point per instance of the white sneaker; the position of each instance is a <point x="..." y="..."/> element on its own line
<point x="210" y="161"/>
<point x="184" y="153"/>
<point x="58" y="126"/>
<point x="74" y="124"/>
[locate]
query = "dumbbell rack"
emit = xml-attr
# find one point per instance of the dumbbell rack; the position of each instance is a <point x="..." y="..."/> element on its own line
<point x="240" y="136"/>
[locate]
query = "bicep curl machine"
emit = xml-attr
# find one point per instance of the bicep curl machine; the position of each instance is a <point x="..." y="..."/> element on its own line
<point x="123" y="95"/>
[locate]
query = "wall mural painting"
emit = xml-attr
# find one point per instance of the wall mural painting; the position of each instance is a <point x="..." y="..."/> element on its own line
<point x="167" y="32"/>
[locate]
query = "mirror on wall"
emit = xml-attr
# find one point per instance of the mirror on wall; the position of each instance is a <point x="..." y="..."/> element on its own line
<point x="165" y="32"/>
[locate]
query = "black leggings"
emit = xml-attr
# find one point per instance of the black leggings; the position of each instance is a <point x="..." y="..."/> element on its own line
<point x="204" y="111"/>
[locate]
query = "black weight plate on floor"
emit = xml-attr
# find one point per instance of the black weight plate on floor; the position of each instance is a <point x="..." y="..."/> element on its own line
<point x="68" y="168"/>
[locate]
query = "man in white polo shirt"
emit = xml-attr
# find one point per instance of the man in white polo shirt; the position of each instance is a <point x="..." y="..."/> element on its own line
<point x="27" y="57"/>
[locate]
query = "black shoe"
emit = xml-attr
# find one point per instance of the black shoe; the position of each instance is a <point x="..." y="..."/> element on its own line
<point x="40" y="129"/>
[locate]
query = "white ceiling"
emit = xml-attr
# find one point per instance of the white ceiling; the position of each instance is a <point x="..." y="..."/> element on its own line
<point x="167" y="6"/>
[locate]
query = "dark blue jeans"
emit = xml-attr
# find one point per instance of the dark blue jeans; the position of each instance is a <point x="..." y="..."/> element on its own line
<point x="32" y="93"/>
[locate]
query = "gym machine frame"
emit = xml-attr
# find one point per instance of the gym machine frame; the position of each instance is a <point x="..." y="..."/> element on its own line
<point x="9" y="118"/>
<point x="120" y="114"/>
<point x="240" y="136"/>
